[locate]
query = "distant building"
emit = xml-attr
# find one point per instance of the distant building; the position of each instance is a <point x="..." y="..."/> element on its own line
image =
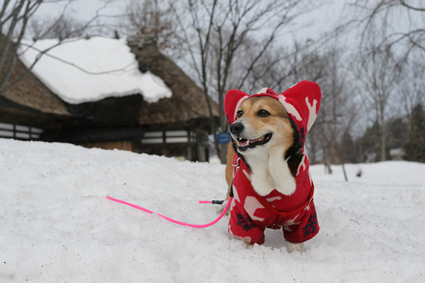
<point x="397" y="154"/>
<point x="135" y="120"/>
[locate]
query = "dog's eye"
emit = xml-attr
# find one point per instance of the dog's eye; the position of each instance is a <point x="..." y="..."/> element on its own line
<point x="239" y="113"/>
<point x="263" y="113"/>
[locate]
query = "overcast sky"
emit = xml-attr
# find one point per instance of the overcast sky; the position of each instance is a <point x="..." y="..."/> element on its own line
<point x="81" y="9"/>
<point x="318" y="21"/>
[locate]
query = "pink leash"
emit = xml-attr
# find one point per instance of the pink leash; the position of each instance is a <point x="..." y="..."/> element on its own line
<point x="175" y="221"/>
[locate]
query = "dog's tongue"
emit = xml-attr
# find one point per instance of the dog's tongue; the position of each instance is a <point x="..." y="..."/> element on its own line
<point x="252" y="141"/>
<point x="243" y="142"/>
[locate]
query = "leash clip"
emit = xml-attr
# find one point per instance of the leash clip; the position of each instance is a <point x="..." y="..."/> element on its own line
<point x="237" y="165"/>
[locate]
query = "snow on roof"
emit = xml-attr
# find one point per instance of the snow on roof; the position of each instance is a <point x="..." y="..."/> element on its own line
<point x="85" y="70"/>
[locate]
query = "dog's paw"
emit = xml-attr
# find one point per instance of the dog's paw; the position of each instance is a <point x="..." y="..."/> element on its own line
<point x="222" y="207"/>
<point x="296" y="247"/>
<point x="249" y="246"/>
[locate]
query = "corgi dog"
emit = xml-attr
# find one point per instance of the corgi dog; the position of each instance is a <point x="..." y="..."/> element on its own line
<point x="267" y="164"/>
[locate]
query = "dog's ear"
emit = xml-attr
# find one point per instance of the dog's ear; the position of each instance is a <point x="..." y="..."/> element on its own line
<point x="294" y="154"/>
<point x="232" y="101"/>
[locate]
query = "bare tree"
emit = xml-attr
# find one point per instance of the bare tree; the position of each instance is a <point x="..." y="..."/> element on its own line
<point x="383" y="16"/>
<point x="378" y="73"/>
<point x="14" y="17"/>
<point x="389" y="63"/>
<point x="281" y="67"/>
<point x="155" y="19"/>
<point x="14" y="20"/>
<point x="338" y="111"/>
<point x="411" y="86"/>
<point x="218" y="35"/>
<point x="412" y="99"/>
<point x="63" y="27"/>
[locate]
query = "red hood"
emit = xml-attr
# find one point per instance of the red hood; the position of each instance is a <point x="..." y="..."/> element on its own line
<point x="301" y="101"/>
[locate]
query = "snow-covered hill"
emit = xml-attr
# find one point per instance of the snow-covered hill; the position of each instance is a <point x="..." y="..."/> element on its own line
<point x="57" y="225"/>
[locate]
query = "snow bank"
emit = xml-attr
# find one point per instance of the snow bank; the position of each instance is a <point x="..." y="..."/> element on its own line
<point x="83" y="70"/>
<point x="57" y="225"/>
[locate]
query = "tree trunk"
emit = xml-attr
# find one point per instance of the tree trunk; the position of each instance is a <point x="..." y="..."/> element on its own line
<point x="383" y="130"/>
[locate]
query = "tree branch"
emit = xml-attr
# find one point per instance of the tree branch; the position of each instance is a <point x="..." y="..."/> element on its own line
<point x="403" y="3"/>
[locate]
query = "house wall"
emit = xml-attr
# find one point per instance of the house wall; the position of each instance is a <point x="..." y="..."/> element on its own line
<point x="180" y="151"/>
<point x="183" y="143"/>
<point x="121" y="145"/>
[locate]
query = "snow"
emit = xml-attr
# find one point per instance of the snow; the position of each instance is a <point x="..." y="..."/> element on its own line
<point x="85" y="70"/>
<point x="57" y="225"/>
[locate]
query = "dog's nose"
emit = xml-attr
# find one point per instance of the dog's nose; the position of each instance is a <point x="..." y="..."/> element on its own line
<point x="236" y="128"/>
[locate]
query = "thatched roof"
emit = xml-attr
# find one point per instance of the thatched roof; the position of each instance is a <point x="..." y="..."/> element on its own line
<point x="188" y="100"/>
<point x="31" y="92"/>
<point x="187" y="103"/>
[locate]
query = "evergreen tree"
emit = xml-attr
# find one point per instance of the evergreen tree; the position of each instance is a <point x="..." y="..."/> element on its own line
<point x="370" y="144"/>
<point x="348" y="149"/>
<point x="398" y="130"/>
<point x="397" y="135"/>
<point x="415" y="148"/>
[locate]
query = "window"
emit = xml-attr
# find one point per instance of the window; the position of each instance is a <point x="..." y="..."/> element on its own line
<point x="176" y="137"/>
<point x="167" y="137"/>
<point x="19" y="132"/>
<point x="153" y="137"/>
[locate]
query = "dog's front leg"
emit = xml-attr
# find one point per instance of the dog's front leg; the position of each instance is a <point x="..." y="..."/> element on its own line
<point x="229" y="176"/>
<point x="229" y="168"/>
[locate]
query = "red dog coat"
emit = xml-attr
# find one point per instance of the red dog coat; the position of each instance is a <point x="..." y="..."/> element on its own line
<point x="251" y="213"/>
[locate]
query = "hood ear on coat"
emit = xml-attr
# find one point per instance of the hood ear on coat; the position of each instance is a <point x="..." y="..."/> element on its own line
<point x="232" y="101"/>
<point x="302" y="102"/>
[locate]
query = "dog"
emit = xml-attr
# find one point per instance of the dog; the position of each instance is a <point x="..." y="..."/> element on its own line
<point x="267" y="167"/>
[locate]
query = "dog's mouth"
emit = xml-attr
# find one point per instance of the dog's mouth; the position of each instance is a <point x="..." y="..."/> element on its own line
<point x="244" y="144"/>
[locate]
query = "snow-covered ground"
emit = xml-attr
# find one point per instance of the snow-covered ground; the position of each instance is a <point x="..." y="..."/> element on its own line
<point x="57" y="225"/>
<point x="83" y="70"/>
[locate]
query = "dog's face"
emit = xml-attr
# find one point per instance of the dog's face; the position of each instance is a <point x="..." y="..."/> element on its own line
<point x="262" y="123"/>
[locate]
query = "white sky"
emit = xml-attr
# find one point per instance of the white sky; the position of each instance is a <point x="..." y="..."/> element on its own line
<point x="80" y="9"/>
<point x="318" y="21"/>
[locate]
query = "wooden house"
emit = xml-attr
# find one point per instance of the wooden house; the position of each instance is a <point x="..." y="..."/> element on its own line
<point x="175" y="127"/>
<point x="29" y="107"/>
